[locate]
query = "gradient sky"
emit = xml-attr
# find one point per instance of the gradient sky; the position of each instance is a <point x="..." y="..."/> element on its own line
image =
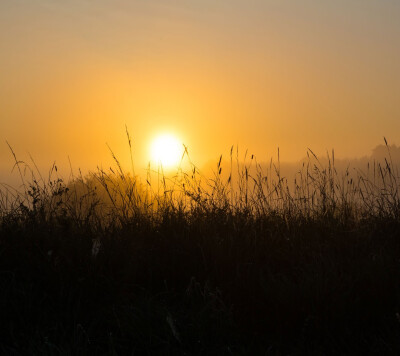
<point x="258" y="73"/>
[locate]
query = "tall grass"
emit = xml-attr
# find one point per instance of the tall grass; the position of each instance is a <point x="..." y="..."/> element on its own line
<point x="318" y="190"/>
<point x="245" y="261"/>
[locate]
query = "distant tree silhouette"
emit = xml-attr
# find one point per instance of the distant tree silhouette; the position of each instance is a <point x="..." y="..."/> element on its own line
<point x="380" y="152"/>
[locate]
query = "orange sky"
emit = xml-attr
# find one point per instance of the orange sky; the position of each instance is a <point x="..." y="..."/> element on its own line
<point x="258" y="73"/>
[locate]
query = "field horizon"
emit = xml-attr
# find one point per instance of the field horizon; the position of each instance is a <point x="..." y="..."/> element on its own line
<point x="68" y="168"/>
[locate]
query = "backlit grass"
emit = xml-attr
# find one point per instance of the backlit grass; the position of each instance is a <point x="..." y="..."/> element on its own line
<point x="243" y="262"/>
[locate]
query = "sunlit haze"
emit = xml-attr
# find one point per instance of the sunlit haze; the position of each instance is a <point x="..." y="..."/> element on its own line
<point x="261" y="74"/>
<point x="166" y="151"/>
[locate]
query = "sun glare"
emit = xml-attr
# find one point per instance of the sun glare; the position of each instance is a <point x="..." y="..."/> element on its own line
<point x="166" y="150"/>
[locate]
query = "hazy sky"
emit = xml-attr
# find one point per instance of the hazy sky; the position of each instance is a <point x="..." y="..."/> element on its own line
<point x="258" y="73"/>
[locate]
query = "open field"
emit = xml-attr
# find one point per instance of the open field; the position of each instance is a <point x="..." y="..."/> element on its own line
<point x="240" y="263"/>
<point x="246" y="209"/>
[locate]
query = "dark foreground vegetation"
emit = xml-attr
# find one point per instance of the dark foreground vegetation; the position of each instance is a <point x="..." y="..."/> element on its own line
<point x="247" y="265"/>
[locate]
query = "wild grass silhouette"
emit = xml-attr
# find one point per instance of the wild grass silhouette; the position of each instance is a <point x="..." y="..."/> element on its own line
<point x="243" y="262"/>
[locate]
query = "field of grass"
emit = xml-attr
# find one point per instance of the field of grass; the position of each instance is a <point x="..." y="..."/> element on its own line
<point x="241" y="263"/>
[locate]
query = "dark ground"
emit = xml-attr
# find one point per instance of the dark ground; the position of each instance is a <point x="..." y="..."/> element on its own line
<point x="206" y="283"/>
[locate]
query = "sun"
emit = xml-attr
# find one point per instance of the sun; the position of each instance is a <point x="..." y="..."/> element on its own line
<point x="166" y="150"/>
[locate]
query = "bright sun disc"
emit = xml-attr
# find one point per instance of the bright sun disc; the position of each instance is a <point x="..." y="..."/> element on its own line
<point x="166" y="150"/>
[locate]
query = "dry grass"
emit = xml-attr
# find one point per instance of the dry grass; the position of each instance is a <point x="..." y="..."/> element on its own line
<point x="246" y="261"/>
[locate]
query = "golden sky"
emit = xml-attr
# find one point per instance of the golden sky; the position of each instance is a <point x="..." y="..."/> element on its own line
<point x="259" y="73"/>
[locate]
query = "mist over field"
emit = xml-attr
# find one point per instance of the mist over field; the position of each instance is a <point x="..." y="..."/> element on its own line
<point x="240" y="156"/>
